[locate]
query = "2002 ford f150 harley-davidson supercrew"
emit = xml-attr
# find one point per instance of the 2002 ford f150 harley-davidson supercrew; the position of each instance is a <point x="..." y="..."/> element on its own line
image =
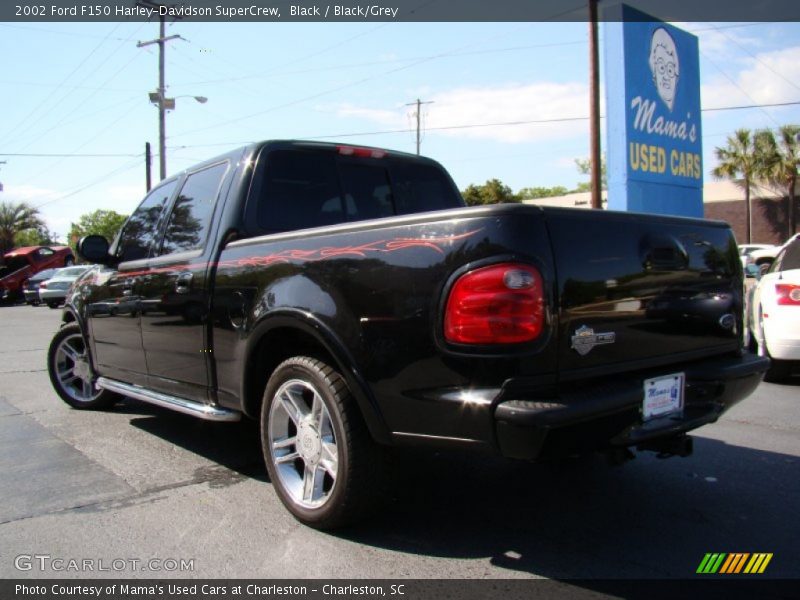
<point x="348" y="300"/>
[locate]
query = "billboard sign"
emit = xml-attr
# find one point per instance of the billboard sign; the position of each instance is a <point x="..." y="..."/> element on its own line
<point x="654" y="146"/>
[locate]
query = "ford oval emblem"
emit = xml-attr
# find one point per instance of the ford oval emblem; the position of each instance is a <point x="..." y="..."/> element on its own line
<point x="727" y="321"/>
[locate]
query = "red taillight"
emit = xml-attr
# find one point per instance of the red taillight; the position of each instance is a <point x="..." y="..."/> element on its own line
<point x="361" y="152"/>
<point x="500" y="304"/>
<point x="43" y="285"/>
<point x="788" y="294"/>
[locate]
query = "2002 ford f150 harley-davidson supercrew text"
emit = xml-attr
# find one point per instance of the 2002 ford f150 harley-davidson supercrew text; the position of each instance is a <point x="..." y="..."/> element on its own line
<point x="348" y="300"/>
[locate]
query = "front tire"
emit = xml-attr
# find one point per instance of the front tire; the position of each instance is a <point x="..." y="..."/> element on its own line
<point x="71" y="372"/>
<point x="320" y="457"/>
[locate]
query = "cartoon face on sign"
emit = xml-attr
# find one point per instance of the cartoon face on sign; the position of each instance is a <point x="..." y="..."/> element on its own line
<point x="664" y="65"/>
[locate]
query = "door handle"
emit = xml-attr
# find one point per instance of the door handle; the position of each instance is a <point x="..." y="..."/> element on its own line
<point x="183" y="284"/>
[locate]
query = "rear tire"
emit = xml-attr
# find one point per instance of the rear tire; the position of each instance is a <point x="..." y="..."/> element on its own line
<point x="321" y="460"/>
<point x="71" y="373"/>
<point x="779" y="370"/>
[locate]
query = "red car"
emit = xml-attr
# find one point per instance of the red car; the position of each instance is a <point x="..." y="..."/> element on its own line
<point x="22" y="263"/>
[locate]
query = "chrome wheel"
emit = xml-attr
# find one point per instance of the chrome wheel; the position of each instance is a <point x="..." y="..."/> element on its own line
<point x="73" y="371"/>
<point x="302" y="443"/>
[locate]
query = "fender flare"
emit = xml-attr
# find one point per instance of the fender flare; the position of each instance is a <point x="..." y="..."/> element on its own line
<point x="330" y="342"/>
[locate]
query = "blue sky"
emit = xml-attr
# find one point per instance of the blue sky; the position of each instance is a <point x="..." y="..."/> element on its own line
<point x="81" y="89"/>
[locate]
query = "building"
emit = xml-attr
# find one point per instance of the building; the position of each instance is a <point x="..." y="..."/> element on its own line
<point x="722" y="200"/>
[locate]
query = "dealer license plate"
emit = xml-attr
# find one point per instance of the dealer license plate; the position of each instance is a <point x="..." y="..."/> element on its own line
<point x="663" y="396"/>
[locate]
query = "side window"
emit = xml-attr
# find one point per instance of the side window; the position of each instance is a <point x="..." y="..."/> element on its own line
<point x="44" y="253"/>
<point x="299" y="190"/>
<point x="140" y="230"/>
<point x="191" y="214"/>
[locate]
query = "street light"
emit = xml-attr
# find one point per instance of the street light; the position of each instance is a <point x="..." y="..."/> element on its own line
<point x="164" y="104"/>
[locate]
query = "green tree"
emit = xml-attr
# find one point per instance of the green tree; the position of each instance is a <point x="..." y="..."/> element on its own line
<point x="15" y="218"/>
<point x="742" y="161"/>
<point x="781" y="161"/>
<point x="584" y="166"/>
<point x="100" y="222"/>
<point x="493" y="191"/>
<point x="37" y="236"/>
<point x="541" y="192"/>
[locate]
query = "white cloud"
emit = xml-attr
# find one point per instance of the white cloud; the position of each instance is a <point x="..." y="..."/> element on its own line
<point x="769" y="78"/>
<point x="724" y="44"/>
<point x="564" y="162"/>
<point x="28" y="193"/>
<point x="125" y="197"/>
<point x="525" y="103"/>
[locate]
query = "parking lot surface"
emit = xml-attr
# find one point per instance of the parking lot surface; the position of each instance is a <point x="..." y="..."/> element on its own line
<point x="140" y="484"/>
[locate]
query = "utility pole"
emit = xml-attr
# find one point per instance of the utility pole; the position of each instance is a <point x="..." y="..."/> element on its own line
<point x="418" y="104"/>
<point x="148" y="164"/>
<point x="594" y="110"/>
<point x="159" y="98"/>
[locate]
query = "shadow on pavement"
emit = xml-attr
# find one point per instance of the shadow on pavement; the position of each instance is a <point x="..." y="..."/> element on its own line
<point x="578" y="518"/>
<point x="234" y="446"/>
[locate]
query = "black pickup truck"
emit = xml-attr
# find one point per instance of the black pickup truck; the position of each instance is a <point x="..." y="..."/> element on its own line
<point x="348" y="300"/>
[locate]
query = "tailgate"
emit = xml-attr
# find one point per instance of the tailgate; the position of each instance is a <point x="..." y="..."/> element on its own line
<point x="636" y="291"/>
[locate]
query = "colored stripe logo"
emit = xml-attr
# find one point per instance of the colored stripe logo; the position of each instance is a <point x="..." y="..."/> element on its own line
<point x="734" y="563"/>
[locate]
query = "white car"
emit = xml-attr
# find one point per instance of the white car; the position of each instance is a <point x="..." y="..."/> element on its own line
<point x="774" y="312"/>
<point x="54" y="291"/>
<point x="746" y="252"/>
<point x="764" y="257"/>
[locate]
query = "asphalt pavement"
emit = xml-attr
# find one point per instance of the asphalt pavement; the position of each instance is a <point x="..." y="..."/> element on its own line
<point x="138" y="491"/>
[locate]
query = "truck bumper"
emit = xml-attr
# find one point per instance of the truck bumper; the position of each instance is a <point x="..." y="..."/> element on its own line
<point x="606" y="414"/>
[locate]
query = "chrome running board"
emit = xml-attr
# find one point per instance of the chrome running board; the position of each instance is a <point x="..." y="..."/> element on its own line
<point x="208" y="412"/>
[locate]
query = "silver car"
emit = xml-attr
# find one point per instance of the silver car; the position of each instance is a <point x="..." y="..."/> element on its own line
<point x="54" y="291"/>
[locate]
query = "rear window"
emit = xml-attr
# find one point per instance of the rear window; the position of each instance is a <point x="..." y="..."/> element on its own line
<point x="303" y="189"/>
<point x="71" y="271"/>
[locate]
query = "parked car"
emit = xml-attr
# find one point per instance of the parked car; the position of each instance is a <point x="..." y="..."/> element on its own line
<point x="346" y="299"/>
<point x="746" y="251"/>
<point x="54" y="290"/>
<point x="774" y="312"/>
<point x="764" y="257"/>
<point x="21" y="264"/>
<point x="31" y="290"/>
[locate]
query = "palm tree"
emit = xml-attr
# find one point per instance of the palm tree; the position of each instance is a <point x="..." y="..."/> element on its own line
<point x="781" y="162"/>
<point x="740" y="162"/>
<point x="15" y="218"/>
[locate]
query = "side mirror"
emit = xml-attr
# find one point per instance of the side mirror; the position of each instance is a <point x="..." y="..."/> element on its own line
<point x="94" y="249"/>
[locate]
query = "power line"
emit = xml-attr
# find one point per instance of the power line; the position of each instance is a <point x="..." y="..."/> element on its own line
<point x="786" y="79"/>
<point x="389" y="61"/>
<point x="63" y="81"/>
<point x="126" y="167"/>
<point x="351" y="84"/>
<point x="737" y="86"/>
<point x="466" y="126"/>
<point x="79" y="104"/>
<point x="771" y="105"/>
<point x="60" y="32"/>
<point x="73" y="155"/>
